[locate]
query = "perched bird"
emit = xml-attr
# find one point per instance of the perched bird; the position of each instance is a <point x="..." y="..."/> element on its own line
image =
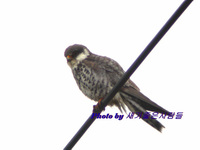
<point x="97" y="75"/>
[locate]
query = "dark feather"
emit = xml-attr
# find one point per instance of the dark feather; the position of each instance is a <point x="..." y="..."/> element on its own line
<point x="135" y="107"/>
<point x="108" y="72"/>
<point x="142" y="100"/>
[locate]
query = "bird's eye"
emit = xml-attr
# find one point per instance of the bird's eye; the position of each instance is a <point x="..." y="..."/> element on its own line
<point x="75" y="54"/>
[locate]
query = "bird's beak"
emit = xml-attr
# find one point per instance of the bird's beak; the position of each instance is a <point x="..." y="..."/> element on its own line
<point x="69" y="58"/>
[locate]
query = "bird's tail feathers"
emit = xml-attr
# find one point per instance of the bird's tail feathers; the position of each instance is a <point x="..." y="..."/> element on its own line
<point x="135" y="107"/>
<point x="143" y="101"/>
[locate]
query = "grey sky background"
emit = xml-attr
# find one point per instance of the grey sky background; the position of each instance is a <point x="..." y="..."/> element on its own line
<point x="41" y="106"/>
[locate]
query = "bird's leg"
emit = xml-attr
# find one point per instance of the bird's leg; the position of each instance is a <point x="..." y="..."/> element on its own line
<point x="98" y="107"/>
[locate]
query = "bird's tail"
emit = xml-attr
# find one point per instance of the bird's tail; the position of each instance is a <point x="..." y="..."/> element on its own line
<point x="135" y="107"/>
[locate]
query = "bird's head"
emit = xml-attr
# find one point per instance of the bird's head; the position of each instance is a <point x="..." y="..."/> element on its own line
<point x="75" y="54"/>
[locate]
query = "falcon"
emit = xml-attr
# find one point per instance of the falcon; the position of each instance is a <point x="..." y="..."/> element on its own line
<point x="96" y="75"/>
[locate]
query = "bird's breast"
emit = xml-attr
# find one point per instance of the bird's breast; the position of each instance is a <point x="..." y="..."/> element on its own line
<point x="89" y="82"/>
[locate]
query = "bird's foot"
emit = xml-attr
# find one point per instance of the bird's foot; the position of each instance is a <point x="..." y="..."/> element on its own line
<point x="98" y="107"/>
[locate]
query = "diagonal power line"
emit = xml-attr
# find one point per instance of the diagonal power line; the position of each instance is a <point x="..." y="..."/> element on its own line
<point x="130" y="71"/>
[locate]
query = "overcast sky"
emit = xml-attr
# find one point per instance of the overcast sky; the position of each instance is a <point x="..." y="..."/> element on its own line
<point x="41" y="107"/>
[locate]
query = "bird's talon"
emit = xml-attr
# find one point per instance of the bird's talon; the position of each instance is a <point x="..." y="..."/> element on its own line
<point x="98" y="107"/>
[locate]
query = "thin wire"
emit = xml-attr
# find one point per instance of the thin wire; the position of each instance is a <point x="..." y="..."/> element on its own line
<point x="130" y="71"/>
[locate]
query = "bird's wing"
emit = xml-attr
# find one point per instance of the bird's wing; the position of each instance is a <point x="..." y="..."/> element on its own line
<point x="108" y="68"/>
<point x="141" y="112"/>
<point x="142" y="100"/>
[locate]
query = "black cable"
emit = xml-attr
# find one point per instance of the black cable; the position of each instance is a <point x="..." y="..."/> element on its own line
<point x="130" y="71"/>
